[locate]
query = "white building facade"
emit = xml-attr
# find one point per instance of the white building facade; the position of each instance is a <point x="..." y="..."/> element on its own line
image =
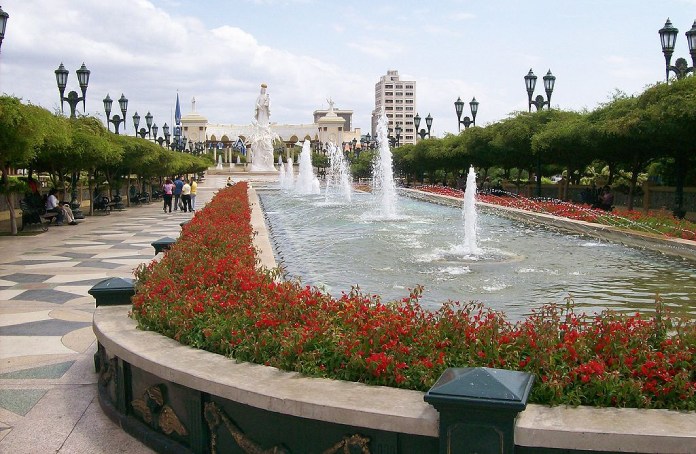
<point x="397" y="99"/>
<point x="329" y="126"/>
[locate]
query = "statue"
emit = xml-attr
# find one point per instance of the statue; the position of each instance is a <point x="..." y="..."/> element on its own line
<point x="263" y="107"/>
<point x="262" y="136"/>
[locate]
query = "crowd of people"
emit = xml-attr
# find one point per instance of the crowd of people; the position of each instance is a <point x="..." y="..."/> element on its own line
<point x="180" y="194"/>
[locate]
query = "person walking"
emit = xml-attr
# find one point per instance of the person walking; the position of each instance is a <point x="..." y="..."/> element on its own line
<point x="194" y="188"/>
<point x="178" y="185"/>
<point x="168" y="190"/>
<point x="186" y="198"/>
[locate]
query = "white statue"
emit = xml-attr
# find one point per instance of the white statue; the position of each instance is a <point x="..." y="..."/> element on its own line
<point x="262" y="136"/>
<point x="263" y="107"/>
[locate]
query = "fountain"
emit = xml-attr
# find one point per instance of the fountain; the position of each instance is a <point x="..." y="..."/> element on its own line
<point x="219" y="163"/>
<point x="338" y="181"/>
<point x="520" y="266"/>
<point x="306" y="182"/>
<point x="383" y="186"/>
<point x="289" y="175"/>
<point x="470" y="216"/>
<point x="281" y="175"/>
<point x="239" y="160"/>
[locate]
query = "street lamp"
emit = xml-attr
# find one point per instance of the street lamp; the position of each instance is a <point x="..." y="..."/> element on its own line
<point x="539" y="102"/>
<point x="530" y="82"/>
<point x="428" y="122"/>
<point x="148" y="122"/>
<point x="459" y="108"/>
<point x="668" y="38"/>
<point x="165" y="130"/>
<point x="397" y="132"/>
<point x="3" y="24"/>
<point x="179" y="143"/>
<point x="116" y="120"/>
<point x="73" y="98"/>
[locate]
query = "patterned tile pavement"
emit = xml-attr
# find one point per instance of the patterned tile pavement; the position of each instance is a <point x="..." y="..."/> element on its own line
<point x="48" y="400"/>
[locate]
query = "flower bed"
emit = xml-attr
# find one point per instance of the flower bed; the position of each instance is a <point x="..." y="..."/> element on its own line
<point x="208" y="293"/>
<point x="652" y="222"/>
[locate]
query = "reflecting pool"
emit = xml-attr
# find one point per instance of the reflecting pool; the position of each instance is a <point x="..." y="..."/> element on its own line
<point x="336" y="246"/>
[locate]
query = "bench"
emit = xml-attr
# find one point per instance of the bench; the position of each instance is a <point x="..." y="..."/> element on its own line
<point x="118" y="203"/>
<point x="140" y="198"/>
<point x="103" y="204"/>
<point x="35" y="215"/>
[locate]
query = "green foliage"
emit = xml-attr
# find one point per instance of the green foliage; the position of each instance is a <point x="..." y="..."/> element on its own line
<point x="361" y="167"/>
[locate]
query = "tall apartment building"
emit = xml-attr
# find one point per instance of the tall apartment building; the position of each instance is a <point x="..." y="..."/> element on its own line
<point x="397" y="99"/>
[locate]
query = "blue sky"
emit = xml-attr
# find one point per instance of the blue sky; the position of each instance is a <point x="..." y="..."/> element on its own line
<point x="310" y="50"/>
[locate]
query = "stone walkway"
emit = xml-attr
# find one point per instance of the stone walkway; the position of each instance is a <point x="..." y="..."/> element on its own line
<point x="48" y="392"/>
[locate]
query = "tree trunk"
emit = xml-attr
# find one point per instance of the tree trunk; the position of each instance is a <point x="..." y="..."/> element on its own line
<point x="90" y="184"/>
<point x="682" y="167"/>
<point x="634" y="181"/>
<point x="8" y="198"/>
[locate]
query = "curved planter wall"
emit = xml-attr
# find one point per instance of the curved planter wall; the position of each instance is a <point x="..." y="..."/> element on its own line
<point x="181" y="399"/>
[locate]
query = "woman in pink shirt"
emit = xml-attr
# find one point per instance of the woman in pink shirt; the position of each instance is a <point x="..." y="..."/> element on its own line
<point x="168" y="189"/>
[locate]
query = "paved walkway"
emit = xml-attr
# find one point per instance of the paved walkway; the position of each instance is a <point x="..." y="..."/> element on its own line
<point x="48" y="392"/>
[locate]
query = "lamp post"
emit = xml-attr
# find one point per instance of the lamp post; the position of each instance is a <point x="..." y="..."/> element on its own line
<point x="73" y="98"/>
<point x="428" y="122"/>
<point x="3" y="24"/>
<point x="179" y="143"/>
<point x="148" y="122"/>
<point x="116" y="120"/>
<point x="459" y="108"/>
<point x="397" y="133"/>
<point x="530" y="82"/>
<point x="668" y="38"/>
<point x="160" y="140"/>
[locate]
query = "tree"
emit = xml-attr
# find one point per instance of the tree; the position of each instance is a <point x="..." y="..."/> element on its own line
<point x="567" y="139"/>
<point x="23" y="129"/>
<point x="93" y="149"/>
<point x="670" y="116"/>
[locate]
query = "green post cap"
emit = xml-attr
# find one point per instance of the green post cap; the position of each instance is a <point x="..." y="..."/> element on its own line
<point x="113" y="291"/>
<point x="162" y="244"/>
<point x="482" y="387"/>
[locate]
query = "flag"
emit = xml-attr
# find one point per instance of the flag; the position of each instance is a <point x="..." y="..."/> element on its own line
<point x="177" y="112"/>
<point x="239" y="145"/>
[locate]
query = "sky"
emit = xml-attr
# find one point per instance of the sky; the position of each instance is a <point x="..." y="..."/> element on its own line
<point x="307" y="51"/>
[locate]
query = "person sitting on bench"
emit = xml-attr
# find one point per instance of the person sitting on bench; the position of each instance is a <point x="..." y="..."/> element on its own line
<point x="68" y="215"/>
<point x="53" y="206"/>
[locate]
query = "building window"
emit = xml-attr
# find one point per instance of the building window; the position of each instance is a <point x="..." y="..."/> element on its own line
<point x="185" y="128"/>
<point x="389" y="86"/>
